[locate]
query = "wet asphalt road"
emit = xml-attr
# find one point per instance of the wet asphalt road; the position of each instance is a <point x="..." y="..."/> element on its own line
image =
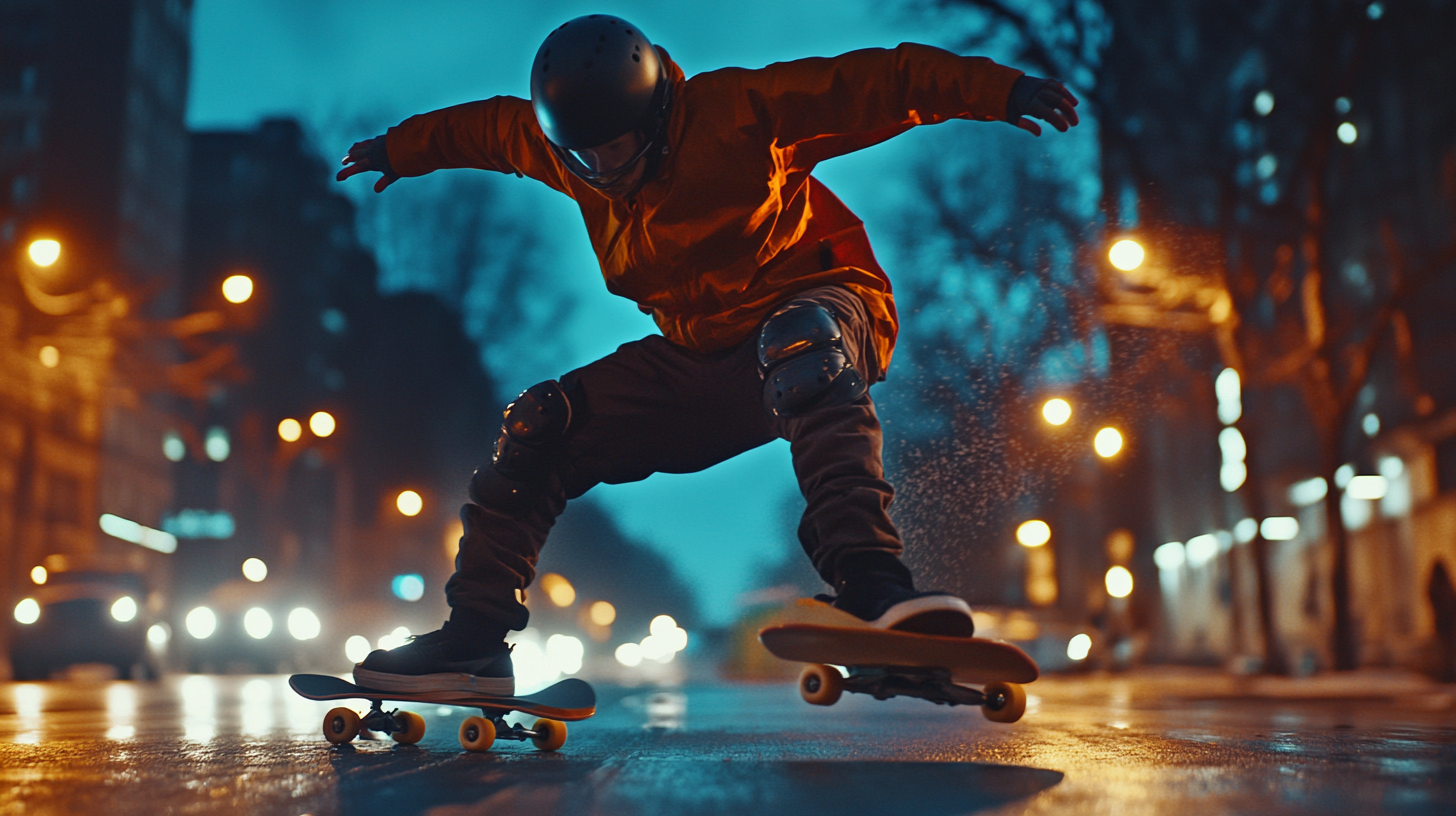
<point x="1152" y="742"/>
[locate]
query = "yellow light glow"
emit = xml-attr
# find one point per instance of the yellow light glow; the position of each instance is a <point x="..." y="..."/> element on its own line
<point x="603" y="613"/>
<point x="409" y="503"/>
<point x="1057" y="411"/>
<point x="1119" y="582"/>
<point x="290" y="430"/>
<point x="237" y="288"/>
<point x="1033" y="533"/>
<point x="1107" y="443"/>
<point x="558" y="589"/>
<point x="1126" y="255"/>
<point x="38" y="575"/>
<point x="44" y="252"/>
<point x="50" y="356"/>
<point x="322" y="424"/>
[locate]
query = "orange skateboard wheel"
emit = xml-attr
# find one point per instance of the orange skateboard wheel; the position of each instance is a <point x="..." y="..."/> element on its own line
<point x="477" y="734"/>
<point x="820" y="684"/>
<point x="341" y="725"/>
<point x="1005" y="702"/>
<point x="410" y="728"/>
<point x="550" y="734"/>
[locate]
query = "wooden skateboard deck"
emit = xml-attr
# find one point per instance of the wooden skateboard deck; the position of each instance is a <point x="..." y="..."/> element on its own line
<point x="885" y="663"/>
<point x="569" y="700"/>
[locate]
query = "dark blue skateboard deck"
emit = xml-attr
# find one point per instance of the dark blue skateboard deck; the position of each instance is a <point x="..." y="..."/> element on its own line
<point x="569" y="700"/>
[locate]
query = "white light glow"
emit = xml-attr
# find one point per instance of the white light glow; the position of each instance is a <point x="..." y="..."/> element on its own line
<point x="217" y="446"/>
<point x="1126" y="255"/>
<point x="1079" y="646"/>
<point x="629" y="654"/>
<point x="565" y="653"/>
<point x="1309" y="491"/>
<point x="1107" y="443"/>
<point x="257" y="623"/>
<point x="356" y="648"/>
<point x="157" y="634"/>
<point x="1119" y="582"/>
<point x="50" y="356"/>
<point x="27" y="611"/>
<point x="1229" y="391"/>
<point x="1057" y="411"/>
<point x="1231" y="443"/>
<point x="1202" y="549"/>
<point x="201" y="623"/>
<point x="1391" y="467"/>
<point x="1343" y="475"/>
<point x="173" y="447"/>
<point x="532" y="667"/>
<point x="237" y="288"/>
<point x="124" y="610"/>
<point x="1263" y="103"/>
<point x="1232" y="475"/>
<point x="1170" y="556"/>
<point x="1347" y="132"/>
<point x="255" y="570"/>
<point x="303" y="624"/>
<point x="39" y="575"/>
<point x="162" y="542"/>
<point x="409" y="503"/>
<point x="1279" y="528"/>
<point x="1033" y="533"/>
<point x="1370" y="488"/>
<point x="1370" y="424"/>
<point x="1245" y="530"/>
<point x="44" y="252"/>
<point x="395" y="639"/>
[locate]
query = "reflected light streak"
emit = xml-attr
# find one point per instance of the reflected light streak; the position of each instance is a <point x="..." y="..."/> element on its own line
<point x="257" y="713"/>
<point x="29" y="703"/>
<point x="199" y="708"/>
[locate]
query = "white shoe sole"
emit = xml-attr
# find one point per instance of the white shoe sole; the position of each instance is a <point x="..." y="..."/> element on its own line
<point x="442" y="684"/>
<point x="933" y="612"/>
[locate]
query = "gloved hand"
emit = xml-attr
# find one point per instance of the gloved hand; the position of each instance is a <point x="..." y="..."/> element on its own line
<point x="1046" y="99"/>
<point x="367" y="155"/>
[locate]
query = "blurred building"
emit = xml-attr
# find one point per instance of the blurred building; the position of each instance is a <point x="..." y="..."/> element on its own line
<point x="93" y="154"/>
<point x="261" y="474"/>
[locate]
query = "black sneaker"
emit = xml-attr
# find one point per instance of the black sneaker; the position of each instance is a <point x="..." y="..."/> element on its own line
<point x="439" y="662"/>
<point x="907" y="610"/>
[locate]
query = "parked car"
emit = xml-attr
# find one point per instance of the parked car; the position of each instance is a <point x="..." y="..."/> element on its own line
<point x="87" y="616"/>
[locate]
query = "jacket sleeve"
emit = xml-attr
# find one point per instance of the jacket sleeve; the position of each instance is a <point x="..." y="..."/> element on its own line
<point x="851" y="101"/>
<point x="499" y="134"/>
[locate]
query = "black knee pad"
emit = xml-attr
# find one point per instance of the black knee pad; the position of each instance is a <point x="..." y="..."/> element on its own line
<point x="526" y="448"/>
<point x="804" y="364"/>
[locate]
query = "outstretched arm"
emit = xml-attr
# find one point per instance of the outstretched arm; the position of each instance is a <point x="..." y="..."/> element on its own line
<point x="1046" y="99"/>
<point x="369" y="155"/>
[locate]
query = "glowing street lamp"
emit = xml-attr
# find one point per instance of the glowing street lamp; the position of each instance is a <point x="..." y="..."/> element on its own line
<point x="237" y="288"/>
<point x="322" y="424"/>
<point x="1057" y="411"/>
<point x="44" y="252"/>
<point x="1126" y="254"/>
<point x="409" y="503"/>
<point x="1107" y="443"/>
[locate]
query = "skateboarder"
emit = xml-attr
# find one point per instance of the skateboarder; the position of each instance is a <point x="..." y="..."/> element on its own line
<point x="775" y="317"/>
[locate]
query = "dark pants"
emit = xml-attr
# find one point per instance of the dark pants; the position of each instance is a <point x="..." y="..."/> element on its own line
<point x="655" y="407"/>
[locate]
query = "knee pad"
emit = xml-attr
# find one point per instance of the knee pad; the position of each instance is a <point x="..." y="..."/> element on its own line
<point x="534" y="426"/>
<point x="804" y="364"/>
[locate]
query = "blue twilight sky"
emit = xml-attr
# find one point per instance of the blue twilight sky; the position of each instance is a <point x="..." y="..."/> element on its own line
<point x="324" y="61"/>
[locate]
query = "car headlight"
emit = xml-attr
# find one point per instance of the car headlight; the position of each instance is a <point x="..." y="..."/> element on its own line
<point x="27" y="611"/>
<point x="125" y="609"/>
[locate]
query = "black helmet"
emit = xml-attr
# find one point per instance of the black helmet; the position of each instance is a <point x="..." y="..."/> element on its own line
<point x="597" y="78"/>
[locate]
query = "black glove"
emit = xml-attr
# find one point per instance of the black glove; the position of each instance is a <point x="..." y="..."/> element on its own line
<point x="1045" y="99"/>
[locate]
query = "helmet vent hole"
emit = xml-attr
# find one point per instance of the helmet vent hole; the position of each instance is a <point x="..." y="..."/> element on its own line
<point x="636" y="58"/>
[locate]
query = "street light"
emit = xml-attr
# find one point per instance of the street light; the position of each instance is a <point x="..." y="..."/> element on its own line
<point x="1057" y="411"/>
<point x="1119" y="582"/>
<point x="409" y="503"/>
<point x="322" y="424"/>
<point x="1107" y="443"/>
<point x="1126" y="254"/>
<point x="44" y="251"/>
<point x="237" y="288"/>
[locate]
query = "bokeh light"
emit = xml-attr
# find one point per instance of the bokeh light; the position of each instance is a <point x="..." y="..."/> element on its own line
<point x="322" y="424"/>
<point x="290" y="430"/>
<point x="237" y="288"/>
<point x="1126" y="254"/>
<point x="1057" y="411"/>
<point x="558" y="589"/>
<point x="603" y="613"/>
<point x="1119" y="582"/>
<point x="39" y="575"/>
<point x="1033" y="533"/>
<point x="44" y="252"/>
<point x="409" y="502"/>
<point x="255" y="570"/>
<point x="1107" y="443"/>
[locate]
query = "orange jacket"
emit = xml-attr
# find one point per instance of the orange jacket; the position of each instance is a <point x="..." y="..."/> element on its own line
<point x="733" y="222"/>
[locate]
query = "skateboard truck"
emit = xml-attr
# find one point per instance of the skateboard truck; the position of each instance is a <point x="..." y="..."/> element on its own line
<point x="820" y="684"/>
